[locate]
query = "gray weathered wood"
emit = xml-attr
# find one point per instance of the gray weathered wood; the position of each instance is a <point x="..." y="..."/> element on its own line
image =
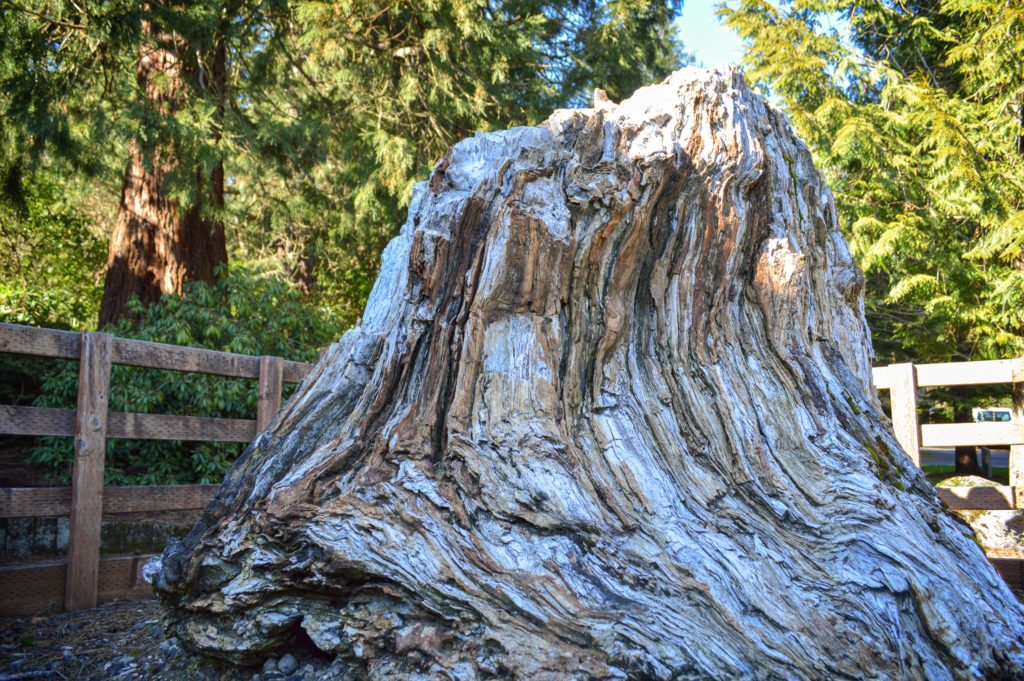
<point x="29" y="340"/>
<point x="30" y="502"/>
<point x="269" y="391"/>
<point x="294" y="372"/>
<point x="903" y="397"/>
<point x="954" y="434"/>
<point x="608" y="414"/>
<point x="1017" y="449"/>
<point x="180" y="358"/>
<point x="173" y="427"/>
<point x="87" y="472"/>
<point x="965" y="373"/>
<point x="46" y="421"/>
<point x="36" y="588"/>
<point x="36" y="421"/>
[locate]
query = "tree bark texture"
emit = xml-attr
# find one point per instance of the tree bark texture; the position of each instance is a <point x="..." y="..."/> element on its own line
<point x="157" y="246"/>
<point x="608" y="415"/>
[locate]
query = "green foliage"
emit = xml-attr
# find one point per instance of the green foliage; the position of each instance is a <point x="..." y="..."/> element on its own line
<point x="50" y="260"/>
<point x="366" y="96"/>
<point x="330" y="110"/>
<point x="916" y="125"/>
<point x="246" y="312"/>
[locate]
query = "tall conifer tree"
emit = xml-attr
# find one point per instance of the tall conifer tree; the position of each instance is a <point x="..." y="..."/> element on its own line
<point x="913" y="110"/>
<point x="314" y="116"/>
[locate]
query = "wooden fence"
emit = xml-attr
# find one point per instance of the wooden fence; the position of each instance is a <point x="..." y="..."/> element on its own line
<point x="83" y="579"/>
<point x="903" y="380"/>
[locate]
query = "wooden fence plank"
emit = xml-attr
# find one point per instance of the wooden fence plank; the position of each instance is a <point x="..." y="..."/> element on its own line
<point x="1016" y="462"/>
<point x="903" y="396"/>
<point x="36" y="588"/>
<point x="181" y="358"/>
<point x="268" y="401"/>
<point x="953" y="434"/>
<point x="294" y="372"/>
<point x="171" y="427"/>
<point x="30" y="340"/>
<point x="1002" y="498"/>
<point x="87" y="471"/>
<point x="36" y="421"/>
<point x="61" y="422"/>
<point x="1011" y="570"/>
<point x="31" y="502"/>
<point x="140" y="498"/>
<point x="965" y="373"/>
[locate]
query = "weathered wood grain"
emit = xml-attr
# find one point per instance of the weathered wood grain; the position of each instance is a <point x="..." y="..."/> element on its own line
<point x="294" y="372"/>
<point x="608" y="414"/>
<point x="87" y="471"/>
<point x="46" y="421"/>
<point x="31" y="502"/>
<point x="953" y="434"/>
<point x="37" y="588"/>
<point x="180" y="358"/>
<point x="174" y="427"/>
<point x="903" y="397"/>
<point x="268" y="391"/>
<point x="36" y="421"/>
<point x="29" y="340"/>
<point x="1016" y="462"/>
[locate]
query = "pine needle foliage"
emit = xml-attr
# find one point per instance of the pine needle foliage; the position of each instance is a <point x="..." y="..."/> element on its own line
<point x="330" y="109"/>
<point x="915" y="112"/>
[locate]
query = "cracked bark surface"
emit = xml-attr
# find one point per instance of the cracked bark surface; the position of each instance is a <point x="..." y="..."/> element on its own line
<point x="608" y="414"/>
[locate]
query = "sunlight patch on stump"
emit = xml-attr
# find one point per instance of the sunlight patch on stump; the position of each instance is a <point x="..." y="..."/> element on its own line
<point x="608" y="414"/>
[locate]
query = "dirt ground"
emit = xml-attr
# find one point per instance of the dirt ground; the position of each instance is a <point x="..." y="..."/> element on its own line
<point x="80" y="645"/>
<point x="128" y="641"/>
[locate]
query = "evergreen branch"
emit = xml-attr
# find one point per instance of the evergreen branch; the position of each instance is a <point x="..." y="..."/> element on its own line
<point x="49" y="20"/>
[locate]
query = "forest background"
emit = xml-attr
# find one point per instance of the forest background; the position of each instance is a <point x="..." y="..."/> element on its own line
<point x="225" y="173"/>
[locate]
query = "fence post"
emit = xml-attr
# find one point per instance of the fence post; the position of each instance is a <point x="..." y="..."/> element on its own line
<point x="87" y="473"/>
<point x="903" y="396"/>
<point x="268" y="402"/>
<point x="1017" y="451"/>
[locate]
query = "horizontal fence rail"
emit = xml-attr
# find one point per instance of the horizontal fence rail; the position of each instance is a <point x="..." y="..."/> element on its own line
<point x="903" y="381"/>
<point x="34" y="502"/>
<point x="84" y="577"/>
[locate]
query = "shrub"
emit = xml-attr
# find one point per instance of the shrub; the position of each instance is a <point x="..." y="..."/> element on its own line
<point x="246" y="312"/>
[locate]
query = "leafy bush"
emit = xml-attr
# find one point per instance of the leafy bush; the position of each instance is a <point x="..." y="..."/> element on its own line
<point x="50" y="261"/>
<point x="246" y="312"/>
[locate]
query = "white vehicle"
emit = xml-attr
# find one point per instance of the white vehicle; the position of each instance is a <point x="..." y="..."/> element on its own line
<point x="992" y="414"/>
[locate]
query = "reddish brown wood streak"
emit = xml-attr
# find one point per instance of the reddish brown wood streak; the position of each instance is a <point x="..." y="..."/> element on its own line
<point x="608" y="415"/>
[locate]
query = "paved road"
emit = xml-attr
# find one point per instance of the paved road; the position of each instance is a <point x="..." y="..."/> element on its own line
<point x="944" y="457"/>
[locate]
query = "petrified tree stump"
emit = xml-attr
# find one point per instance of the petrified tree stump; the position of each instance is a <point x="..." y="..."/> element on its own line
<point x="608" y="415"/>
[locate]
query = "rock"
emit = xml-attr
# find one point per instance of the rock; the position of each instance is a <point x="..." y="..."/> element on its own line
<point x="967" y="481"/>
<point x="999" y="530"/>
<point x="270" y="666"/>
<point x="151" y="569"/>
<point x="287" y="664"/>
<point x="608" y="415"/>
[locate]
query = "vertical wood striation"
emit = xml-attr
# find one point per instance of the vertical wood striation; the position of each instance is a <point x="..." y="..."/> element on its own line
<point x="608" y="415"/>
<point x="87" y="471"/>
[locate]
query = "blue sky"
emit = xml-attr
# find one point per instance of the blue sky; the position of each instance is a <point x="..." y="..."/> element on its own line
<point x="711" y="43"/>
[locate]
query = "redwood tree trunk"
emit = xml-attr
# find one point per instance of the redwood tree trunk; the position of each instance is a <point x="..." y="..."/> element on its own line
<point x="158" y="245"/>
<point x="608" y="415"/>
